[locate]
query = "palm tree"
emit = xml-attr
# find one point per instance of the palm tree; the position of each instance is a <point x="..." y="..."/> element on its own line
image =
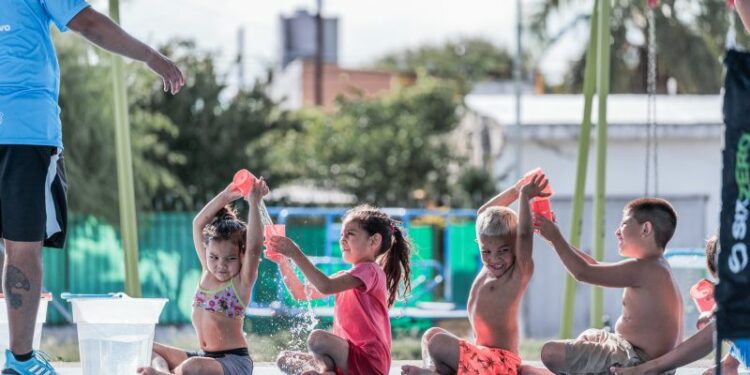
<point x="690" y="37"/>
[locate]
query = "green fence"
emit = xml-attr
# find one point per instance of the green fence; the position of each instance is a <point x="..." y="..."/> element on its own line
<point x="92" y="261"/>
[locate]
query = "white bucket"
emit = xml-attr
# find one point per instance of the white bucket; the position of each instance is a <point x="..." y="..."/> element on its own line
<point x="116" y="335"/>
<point x="41" y="318"/>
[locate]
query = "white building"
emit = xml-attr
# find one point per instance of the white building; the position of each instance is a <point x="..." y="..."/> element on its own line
<point x="690" y="135"/>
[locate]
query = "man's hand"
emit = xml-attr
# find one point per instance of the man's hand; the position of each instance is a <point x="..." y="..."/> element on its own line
<point x="169" y="72"/>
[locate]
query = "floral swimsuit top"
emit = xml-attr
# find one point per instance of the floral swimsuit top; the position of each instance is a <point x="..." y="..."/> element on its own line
<point x="223" y="300"/>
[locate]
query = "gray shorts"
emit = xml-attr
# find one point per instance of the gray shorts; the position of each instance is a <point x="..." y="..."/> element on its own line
<point x="233" y="362"/>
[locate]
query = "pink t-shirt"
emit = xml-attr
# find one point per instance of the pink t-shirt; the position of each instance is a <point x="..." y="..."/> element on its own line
<point x="360" y="316"/>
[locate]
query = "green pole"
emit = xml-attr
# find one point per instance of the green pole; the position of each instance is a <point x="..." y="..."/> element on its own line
<point x="126" y="194"/>
<point x="597" y="294"/>
<point x="589" y="87"/>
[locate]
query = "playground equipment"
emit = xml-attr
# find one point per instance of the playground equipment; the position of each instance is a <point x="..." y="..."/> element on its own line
<point x="429" y="273"/>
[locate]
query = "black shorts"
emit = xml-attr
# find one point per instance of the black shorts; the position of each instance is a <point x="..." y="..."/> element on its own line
<point x="33" y="205"/>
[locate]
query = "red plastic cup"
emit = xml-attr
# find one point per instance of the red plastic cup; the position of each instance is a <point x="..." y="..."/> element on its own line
<point x="541" y="206"/>
<point x="268" y="232"/>
<point x="243" y="181"/>
<point x="703" y="295"/>
<point x="535" y="172"/>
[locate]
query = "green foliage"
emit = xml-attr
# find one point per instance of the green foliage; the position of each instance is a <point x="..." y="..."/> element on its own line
<point x="88" y="133"/>
<point x="381" y="150"/>
<point x="474" y="186"/>
<point x="186" y="147"/>
<point x="467" y="61"/>
<point x="216" y="131"/>
<point x="690" y="42"/>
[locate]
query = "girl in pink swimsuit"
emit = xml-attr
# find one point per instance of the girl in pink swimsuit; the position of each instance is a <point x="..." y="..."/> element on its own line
<point x="229" y="252"/>
<point x="361" y="340"/>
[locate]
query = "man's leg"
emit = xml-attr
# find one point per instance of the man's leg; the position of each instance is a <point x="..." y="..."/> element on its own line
<point x="22" y="284"/>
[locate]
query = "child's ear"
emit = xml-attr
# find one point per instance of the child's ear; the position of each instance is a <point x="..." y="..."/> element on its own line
<point x="647" y="228"/>
<point x="376" y="239"/>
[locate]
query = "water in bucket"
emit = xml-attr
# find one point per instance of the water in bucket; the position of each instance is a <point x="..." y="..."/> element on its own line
<point x="115" y="348"/>
<point x="116" y="335"/>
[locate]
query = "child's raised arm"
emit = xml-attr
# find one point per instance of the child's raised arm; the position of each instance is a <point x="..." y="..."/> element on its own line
<point x="627" y="273"/>
<point x="525" y="230"/>
<point x="254" y="237"/>
<point x="322" y="283"/>
<point x="206" y="215"/>
<point x="503" y="199"/>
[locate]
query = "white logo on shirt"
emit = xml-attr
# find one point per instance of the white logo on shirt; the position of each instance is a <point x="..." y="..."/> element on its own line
<point x="5" y="28"/>
<point x="1" y="117"/>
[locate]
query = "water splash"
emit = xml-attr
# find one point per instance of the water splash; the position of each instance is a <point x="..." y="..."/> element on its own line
<point x="265" y="218"/>
<point x="301" y="328"/>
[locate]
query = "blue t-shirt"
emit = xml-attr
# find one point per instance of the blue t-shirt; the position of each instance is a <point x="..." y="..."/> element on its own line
<point x="740" y="350"/>
<point x="29" y="74"/>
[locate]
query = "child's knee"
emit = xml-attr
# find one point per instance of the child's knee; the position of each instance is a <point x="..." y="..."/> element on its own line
<point x="553" y="355"/>
<point x="317" y="341"/>
<point x="191" y="366"/>
<point x="438" y="344"/>
<point x="430" y="333"/>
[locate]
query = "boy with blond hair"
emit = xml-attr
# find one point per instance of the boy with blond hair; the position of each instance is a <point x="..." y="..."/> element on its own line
<point x="505" y="244"/>
<point x="651" y="321"/>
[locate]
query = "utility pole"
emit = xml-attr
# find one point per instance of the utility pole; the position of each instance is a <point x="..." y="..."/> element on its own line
<point x="241" y="57"/>
<point x="319" y="55"/>
<point x="517" y="61"/>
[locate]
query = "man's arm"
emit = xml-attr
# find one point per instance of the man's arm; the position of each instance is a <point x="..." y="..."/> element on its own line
<point x="105" y="33"/>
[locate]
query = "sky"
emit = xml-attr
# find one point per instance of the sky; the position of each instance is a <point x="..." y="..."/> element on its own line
<point x="368" y="29"/>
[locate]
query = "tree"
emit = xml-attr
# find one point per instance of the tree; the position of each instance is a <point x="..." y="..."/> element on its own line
<point x="381" y="150"/>
<point x="217" y="132"/>
<point x="466" y="61"/>
<point x="690" y="42"/>
<point x="88" y="134"/>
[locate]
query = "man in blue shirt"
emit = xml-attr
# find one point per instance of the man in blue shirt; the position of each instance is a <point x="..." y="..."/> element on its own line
<point x="32" y="177"/>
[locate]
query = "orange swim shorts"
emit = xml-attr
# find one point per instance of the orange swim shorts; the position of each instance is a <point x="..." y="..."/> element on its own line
<point x="476" y="360"/>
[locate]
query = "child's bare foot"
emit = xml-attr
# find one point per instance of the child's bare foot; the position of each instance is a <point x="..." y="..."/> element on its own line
<point x="295" y="362"/>
<point x="531" y="370"/>
<point x="150" y="371"/>
<point x="414" y="370"/>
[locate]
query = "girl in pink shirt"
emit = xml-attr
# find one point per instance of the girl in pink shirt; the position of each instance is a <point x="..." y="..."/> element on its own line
<point x="361" y="338"/>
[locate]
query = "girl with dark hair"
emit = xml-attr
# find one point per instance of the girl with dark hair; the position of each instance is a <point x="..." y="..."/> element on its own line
<point x="361" y="340"/>
<point x="229" y="252"/>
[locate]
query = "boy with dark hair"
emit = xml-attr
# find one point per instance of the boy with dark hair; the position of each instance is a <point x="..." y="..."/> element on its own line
<point x="701" y="343"/>
<point x="651" y="321"/>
